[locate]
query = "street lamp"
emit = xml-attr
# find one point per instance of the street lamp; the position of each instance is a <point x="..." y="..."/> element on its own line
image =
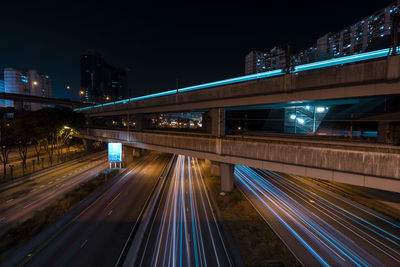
<point x="35" y="83"/>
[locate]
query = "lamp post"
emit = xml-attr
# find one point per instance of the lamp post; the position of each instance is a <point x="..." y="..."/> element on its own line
<point x="81" y="94"/>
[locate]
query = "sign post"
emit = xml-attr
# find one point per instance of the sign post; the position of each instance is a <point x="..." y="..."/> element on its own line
<point x="115" y="153"/>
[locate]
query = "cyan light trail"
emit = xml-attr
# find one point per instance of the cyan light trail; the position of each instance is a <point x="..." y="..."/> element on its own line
<point x="311" y="66"/>
<point x="319" y="226"/>
<point x="186" y="233"/>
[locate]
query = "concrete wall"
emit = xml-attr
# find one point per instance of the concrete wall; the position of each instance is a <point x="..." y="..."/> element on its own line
<point x="368" y="165"/>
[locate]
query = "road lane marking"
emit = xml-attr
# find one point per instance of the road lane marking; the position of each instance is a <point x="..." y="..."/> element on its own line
<point x="109" y="213"/>
<point x="113" y="199"/>
<point x="84" y="243"/>
<point x="11" y="199"/>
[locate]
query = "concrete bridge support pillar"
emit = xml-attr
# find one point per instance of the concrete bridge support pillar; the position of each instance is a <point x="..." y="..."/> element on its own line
<point x="217" y="121"/>
<point x="137" y="152"/>
<point x="226" y="177"/>
<point x="215" y="169"/>
<point x="139" y="122"/>
<point x="127" y="154"/>
<point x="87" y="144"/>
<point x="383" y="132"/>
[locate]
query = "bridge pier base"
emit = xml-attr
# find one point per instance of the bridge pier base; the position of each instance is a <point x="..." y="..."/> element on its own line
<point x="226" y="170"/>
<point x="127" y="155"/>
<point x="137" y="152"/>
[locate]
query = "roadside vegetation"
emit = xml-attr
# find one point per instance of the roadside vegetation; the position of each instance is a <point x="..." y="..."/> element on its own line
<point x="48" y="130"/>
<point x="26" y="230"/>
<point x="256" y="242"/>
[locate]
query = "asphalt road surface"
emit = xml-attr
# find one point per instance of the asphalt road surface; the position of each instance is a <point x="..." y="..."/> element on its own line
<point x="98" y="235"/>
<point x="184" y="231"/>
<point x="320" y="227"/>
<point x="20" y="202"/>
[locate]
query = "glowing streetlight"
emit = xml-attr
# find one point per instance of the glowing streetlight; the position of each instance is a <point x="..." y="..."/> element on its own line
<point x="107" y="98"/>
<point x="68" y="87"/>
<point x="81" y="92"/>
<point x="35" y="83"/>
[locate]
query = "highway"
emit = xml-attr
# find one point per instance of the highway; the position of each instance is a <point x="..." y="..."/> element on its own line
<point x="184" y="231"/>
<point x="320" y="227"/>
<point x="97" y="236"/>
<point x="20" y="202"/>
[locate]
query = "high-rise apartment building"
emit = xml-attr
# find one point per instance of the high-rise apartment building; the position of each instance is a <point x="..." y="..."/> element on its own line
<point x="261" y="61"/>
<point x="256" y="62"/>
<point x="360" y="36"/>
<point x="27" y="83"/>
<point x="370" y="33"/>
<point x="101" y="82"/>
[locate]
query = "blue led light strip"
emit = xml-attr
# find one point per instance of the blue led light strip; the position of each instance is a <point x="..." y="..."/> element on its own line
<point x="262" y="75"/>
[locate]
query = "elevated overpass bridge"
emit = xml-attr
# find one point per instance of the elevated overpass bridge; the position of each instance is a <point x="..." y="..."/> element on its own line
<point x="359" y="90"/>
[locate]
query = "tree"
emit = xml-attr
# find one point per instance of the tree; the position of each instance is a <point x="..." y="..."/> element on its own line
<point x="23" y="132"/>
<point x="6" y="142"/>
<point x="52" y="128"/>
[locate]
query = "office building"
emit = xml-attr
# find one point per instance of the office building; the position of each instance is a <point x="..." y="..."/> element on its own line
<point x="27" y="83"/>
<point x="2" y="90"/>
<point x="101" y="82"/>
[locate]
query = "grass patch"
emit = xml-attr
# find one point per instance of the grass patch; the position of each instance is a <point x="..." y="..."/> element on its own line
<point x="256" y="242"/>
<point x="26" y="230"/>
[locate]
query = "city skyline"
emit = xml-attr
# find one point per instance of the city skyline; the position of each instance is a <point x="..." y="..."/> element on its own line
<point x="195" y="45"/>
<point x="132" y="134"/>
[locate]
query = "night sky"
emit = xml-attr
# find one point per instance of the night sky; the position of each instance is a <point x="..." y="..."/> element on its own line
<point x="198" y="41"/>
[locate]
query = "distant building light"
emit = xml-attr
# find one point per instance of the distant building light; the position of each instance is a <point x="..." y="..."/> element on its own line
<point x="293" y="116"/>
<point x="320" y="109"/>
<point x="307" y="107"/>
<point x="300" y="120"/>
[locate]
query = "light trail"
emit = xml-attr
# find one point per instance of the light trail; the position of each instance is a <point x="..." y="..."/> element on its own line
<point x="86" y="239"/>
<point x="328" y="229"/>
<point x="184" y="231"/>
<point x="24" y="206"/>
<point x="273" y="73"/>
